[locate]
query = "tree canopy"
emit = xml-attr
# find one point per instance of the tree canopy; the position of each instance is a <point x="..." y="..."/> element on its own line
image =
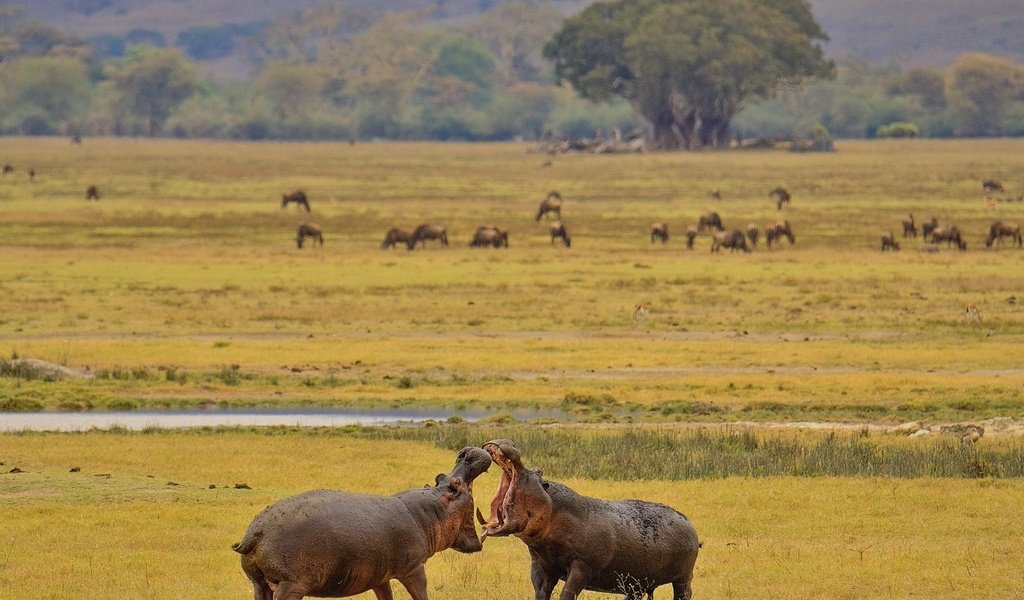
<point x="688" y="66"/>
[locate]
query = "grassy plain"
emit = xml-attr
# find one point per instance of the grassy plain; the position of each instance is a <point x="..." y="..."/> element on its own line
<point x="183" y="287"/>
<point x="141" y="520"/>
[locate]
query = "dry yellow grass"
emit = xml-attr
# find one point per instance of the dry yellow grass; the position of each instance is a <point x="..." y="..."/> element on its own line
<point x="187" y="266"/>
<point x="131" y="534"/>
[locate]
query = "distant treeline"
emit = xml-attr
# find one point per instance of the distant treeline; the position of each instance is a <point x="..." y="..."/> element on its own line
<point x="337" y="72"/>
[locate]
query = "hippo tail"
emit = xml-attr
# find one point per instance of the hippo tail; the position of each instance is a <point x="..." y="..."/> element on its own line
<point x="247" y="544"/>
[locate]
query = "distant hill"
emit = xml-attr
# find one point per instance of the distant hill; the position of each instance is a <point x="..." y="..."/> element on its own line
<point x="922" y="32"/>
<point x="907" y="32"/>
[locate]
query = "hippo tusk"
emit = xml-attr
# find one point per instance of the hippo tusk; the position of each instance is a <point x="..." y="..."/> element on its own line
<point x="480" y="516"/>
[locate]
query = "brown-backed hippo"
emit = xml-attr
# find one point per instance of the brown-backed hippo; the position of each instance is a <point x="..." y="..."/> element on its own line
<point x="627" y="546"/>
<point x="331" y="544"/>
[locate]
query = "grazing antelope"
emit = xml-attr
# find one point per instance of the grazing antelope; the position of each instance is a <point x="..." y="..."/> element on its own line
<point x="1001" y="229"/>
<point x="889" y="242"/>
<point x="298" y="197"/>
<point x="557" y="230"/>
<point x="710" y="220"/>
<point x="781" y="196"/>
<point x="733" y="240"/>
<point x="640" y="313"/>
<point x="950" y="235"/>
<point x="991" y="185"/>
<point x="774" y="233"/>
<point x="489" y="236"/>
<point x="971" y="313"/>
<point x="394" y="236"/>
<point x="691" y="234"/>
<point x="427" y="232"/>
<point x="92" y="193"/>
<point x="928" y="227"/>
<point x="551" y="204"/>
<point x="715" y="194"/>
<point x="753" y="233"/>
<point x="309" y="230"/>
<point x="659" y="231"/>
<point x="909" y="228"/>
<point x="8" y="169"/>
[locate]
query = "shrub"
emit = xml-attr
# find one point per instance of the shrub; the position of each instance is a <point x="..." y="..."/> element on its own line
<point x="898" y="130"/>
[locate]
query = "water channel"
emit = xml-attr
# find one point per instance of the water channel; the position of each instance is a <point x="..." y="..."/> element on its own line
<point x="139" y="420"/>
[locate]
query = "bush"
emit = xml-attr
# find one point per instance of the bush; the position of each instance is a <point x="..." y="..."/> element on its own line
<point x="898" y="130"/>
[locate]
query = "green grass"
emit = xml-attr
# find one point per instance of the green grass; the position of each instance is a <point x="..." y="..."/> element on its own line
<point x="182" y="287"/>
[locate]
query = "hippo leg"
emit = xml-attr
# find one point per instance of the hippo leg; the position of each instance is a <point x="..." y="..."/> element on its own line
<point x="415" y="583"/>
<point x="262" y="591"/>
<point x="681" y="590"/>
<point x="575" y="583"/>
<point x="383" y="591"/>
<point x="290" y="590"/>
<point x="543" y="583"/>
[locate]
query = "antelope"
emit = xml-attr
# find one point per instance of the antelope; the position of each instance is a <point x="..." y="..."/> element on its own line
<point x="715" y="194"/>
<point x="551" y="204"/>
<point x="92" y="193"/>
<point x="991" y="185"/>
<point x="710" y="220"/>
<point x="909" y="228"/>
<point x="394" y="236"/>
<point x="557" y="230"/>
<point x="753" y="233"/>
<point x="781" y="196"/>
<point x="428" y="232"/>
<point x="774" y="233"/>
<point x="640" y="313"/>
<point x="298" y="197"/>
<point x="1001" y="229"/>
<point x="659" y="231"/>
<point x="971" y="313"/>
<point x="733" y="240"/>
<point x="928" y="227"/>
<point x="309" y="230"/>
<point x="691" y="234"/>
<point x="889" y="242"/>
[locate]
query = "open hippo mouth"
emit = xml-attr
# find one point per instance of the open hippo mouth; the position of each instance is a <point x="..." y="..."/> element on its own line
<point x="504" y="454"/>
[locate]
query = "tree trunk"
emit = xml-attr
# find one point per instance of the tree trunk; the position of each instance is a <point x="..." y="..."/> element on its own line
<point x="666" y="137"/>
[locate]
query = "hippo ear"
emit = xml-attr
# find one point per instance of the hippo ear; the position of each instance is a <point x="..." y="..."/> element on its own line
<point x="437" y="480"/>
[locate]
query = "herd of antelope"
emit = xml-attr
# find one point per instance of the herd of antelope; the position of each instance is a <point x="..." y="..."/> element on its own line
<point x="733" y="239"/>
<point x="934" y="234"/>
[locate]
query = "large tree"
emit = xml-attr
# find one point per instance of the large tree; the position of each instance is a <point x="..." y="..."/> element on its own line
<point x="980" y="89"/>
<point x="149" y="83"/>
<point x="688" y="66"/>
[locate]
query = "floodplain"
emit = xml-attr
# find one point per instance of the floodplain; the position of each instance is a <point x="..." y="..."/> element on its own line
<point x="183" y="288"/>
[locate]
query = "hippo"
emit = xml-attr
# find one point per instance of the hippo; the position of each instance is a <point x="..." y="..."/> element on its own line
<point x="627" y="546"/>
<point x="332" y="544"/>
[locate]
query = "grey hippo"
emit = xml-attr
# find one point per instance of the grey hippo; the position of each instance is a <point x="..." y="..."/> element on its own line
<point x="331" y="544"/>
<point x="627" y="547"/>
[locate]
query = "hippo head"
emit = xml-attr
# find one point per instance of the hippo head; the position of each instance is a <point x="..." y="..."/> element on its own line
<point x="456" y="491"/>
<point x="522" y="502"/>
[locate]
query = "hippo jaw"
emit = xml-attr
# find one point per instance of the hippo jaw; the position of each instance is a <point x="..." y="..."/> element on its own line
<point x="519" y="486"/>
<point x="457" y="492"/>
